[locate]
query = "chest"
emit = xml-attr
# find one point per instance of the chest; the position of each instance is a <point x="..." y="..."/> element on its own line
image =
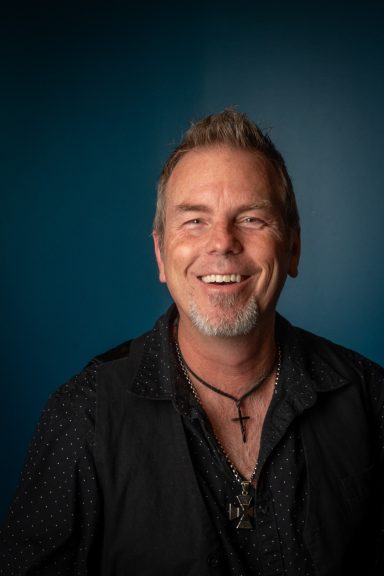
<point x="238" y="427"/>
<point x="280" y="492"/>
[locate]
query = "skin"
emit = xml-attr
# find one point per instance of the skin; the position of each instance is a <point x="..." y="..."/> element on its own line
<point x="223" y="216"/>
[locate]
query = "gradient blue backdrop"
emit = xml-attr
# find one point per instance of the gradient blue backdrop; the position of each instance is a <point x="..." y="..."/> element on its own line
<point x="94" y="99"/>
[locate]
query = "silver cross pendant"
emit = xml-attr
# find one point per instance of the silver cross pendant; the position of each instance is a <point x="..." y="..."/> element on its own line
<point x="244" y="512"/>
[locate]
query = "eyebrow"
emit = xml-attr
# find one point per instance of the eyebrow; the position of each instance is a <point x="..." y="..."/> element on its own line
<point x="185" y="207"/>
<point x="256" y="205"/>
<point x="192" y="208"/>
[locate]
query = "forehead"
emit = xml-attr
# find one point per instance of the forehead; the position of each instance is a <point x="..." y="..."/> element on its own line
<point x="221" y="170"/>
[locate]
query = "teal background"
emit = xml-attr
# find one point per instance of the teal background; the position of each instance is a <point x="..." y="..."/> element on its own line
<point x="93" y="98"/>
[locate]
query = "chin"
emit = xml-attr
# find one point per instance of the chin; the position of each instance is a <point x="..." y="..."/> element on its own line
<point x="228" y="320"/>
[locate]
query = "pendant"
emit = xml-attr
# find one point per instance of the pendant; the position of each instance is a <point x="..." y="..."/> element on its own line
<point x="244" y="512"/>
<point x="241" y="419"/>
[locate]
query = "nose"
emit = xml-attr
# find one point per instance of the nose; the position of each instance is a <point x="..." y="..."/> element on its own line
<point x="223" y="240"/>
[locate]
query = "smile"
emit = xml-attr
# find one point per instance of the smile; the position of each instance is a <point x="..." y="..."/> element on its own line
<point x="221" y="278"/>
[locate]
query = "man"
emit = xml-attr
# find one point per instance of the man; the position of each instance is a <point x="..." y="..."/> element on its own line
<point x="224" y="441"/>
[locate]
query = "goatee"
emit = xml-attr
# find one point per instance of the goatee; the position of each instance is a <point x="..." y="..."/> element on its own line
<point x="230" y="317"/>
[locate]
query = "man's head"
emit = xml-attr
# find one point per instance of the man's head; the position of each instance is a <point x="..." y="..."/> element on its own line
<point x="233" y="129"/>
<point x="227" y="230"/>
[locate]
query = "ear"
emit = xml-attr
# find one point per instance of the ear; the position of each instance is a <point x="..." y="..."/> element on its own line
<point x="159" y="257"/>
<point x="293" y="268"/>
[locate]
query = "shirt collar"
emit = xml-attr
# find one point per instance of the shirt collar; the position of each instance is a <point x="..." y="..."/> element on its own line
<point x="305" y="364"/>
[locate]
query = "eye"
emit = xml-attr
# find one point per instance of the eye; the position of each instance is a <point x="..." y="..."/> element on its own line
<point x="252" y="221"/>
<point x="193" y="222"/>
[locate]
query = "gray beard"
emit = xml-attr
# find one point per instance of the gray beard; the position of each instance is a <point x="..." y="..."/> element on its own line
<point x="234" y="320"/>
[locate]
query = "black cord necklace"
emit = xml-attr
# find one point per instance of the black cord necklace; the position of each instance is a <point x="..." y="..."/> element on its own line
<point x="240" y="418"/>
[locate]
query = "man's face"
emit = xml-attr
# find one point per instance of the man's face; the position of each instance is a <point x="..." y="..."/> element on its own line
<point x="226" y="251"/>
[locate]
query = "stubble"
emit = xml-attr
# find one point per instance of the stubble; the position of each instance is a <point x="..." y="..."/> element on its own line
<point x="229" y="317"/>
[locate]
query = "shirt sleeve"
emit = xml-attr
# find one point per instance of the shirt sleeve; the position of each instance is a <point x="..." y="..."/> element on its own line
<point x="52" y="523"/>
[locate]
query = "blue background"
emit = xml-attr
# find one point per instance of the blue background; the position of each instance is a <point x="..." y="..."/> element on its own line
<point x="95" y="96"/>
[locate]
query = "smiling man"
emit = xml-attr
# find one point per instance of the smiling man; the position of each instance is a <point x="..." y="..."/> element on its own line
<point x="224" y="441"/>
<point x="225" y="250"/>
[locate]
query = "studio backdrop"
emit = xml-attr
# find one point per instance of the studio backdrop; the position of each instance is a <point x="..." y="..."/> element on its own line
<point x="95" y="96"/>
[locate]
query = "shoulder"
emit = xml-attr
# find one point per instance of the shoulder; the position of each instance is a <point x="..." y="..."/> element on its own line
<point x="107" y="375"/>
<point x="79" y="393"/>
<point x="70" y="413"/>
<point x="321" y="355"/>
<point x="338" y="355"/>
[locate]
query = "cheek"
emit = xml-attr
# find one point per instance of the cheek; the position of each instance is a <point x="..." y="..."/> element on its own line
<point x="275" y="264"/>
<point x="180" y="254"/>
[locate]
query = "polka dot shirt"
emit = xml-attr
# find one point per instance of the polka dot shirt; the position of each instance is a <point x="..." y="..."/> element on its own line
<point x="52" y="520"/>
<point x="55" y="524"/>
<point x="275" y="544"/>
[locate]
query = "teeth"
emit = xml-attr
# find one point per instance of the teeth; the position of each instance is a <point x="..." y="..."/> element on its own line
<point x="211" y="278"/>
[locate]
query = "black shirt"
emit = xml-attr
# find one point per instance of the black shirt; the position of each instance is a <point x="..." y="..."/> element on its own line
<point x="279" y="499"/>
<point x="84" y="459"/>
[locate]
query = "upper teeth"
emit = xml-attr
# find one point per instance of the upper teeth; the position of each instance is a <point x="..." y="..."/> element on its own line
<point x="221" y="278"/>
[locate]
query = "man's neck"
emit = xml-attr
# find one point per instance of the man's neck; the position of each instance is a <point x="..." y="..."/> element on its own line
<point x="233" y="363"/>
